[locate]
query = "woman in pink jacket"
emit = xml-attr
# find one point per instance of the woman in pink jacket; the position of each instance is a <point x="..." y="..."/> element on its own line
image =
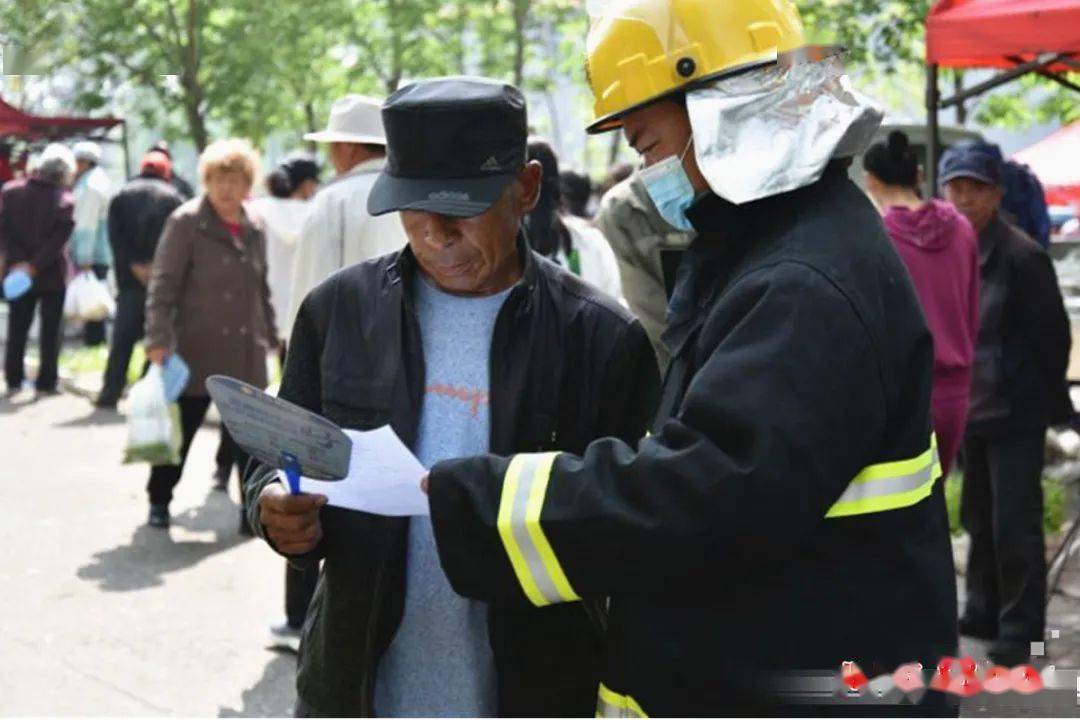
<point x="940" y="250"/>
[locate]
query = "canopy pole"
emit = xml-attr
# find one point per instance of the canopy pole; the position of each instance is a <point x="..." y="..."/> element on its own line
<point x="958" y="88"/>
<point x="933" y="141"/>
<point x="1041" y="63"/>
<point x="1053" y="77"/>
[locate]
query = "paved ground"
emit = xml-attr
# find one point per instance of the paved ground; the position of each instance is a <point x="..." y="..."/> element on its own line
<point x="102" y="616"/>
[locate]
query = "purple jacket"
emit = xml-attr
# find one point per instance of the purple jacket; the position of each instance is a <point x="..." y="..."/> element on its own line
<point x="939" y="248"/>
<point x="36" y="220"/>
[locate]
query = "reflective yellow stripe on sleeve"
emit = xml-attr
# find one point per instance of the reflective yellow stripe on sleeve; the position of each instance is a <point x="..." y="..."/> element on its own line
<point x="612" y="705"/>
<point x="534" y="562"/>
<point x="890" y="486"/>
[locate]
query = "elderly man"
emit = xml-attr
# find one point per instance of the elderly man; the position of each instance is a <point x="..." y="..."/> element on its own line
<point x="339" y="230"/>
<point x="1018" y="389"/>
<point x="89" y="247"/>
<point x="465" y="341"/>
<point x="36" y="219"/>
<point x="136" y="217"/>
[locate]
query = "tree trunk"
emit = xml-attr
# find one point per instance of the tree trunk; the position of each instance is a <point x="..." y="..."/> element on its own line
<point x="521" y="15"/>
<point x="309" y="115"/>
<point x="460" y="26"/>
<point x="194" y="96"/>
<point x="196" y="121"/>
<point x="397" y="48"/>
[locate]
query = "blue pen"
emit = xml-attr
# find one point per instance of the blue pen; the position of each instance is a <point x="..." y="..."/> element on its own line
<point x="291" y="466"/>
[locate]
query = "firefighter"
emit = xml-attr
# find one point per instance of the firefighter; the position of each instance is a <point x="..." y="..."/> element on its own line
<point x="783" y="515"/>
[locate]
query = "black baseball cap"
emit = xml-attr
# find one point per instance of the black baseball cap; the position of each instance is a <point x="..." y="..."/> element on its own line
<point x="452" y="146"/>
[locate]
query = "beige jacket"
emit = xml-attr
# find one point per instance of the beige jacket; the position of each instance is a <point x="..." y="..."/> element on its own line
<point x="339" y="232"/>
<point x="209" y="301"/>
<point x="638" y="234"/>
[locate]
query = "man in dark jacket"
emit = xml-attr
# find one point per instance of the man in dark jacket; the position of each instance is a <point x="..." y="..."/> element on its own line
<point x="36" y="220"/>
<point x="136" y="216"/>
<point x="1018" y="389"/>
<point x="464" y="342"/>
<point x="782" y="517"/>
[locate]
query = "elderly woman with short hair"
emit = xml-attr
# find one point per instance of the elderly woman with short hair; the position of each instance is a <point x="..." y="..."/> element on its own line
<point x="208" y="300"/>
<point x="36" y="219"/>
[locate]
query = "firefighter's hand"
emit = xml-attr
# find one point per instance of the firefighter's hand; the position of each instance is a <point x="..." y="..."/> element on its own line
<point x="424" y="483"/>
<point x="291" y="521"/>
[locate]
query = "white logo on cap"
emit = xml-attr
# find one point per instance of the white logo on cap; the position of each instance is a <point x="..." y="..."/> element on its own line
<point x="443" y="195"/>
<point x="490" y="164"/>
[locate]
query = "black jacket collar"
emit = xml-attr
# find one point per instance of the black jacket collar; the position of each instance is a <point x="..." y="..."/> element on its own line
<point x="725" y="233"/>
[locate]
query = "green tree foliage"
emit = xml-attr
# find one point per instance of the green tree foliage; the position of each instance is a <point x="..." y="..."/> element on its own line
<point x="253" y="68"/>
<point x="880" y="36"/>
<point x="887" y="38"/>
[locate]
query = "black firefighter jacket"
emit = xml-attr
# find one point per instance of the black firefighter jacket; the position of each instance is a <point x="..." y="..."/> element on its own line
<point x="783" y="514"/>
<point x="568" y="365"/>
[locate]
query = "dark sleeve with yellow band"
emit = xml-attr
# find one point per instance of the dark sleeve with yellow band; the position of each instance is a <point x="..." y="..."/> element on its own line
<point x="778" y="432"/>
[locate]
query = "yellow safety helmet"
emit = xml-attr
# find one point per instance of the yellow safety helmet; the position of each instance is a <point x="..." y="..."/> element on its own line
<point x="639" y="51"/>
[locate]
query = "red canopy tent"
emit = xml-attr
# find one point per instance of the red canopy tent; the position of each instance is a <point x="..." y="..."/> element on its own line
<point x="1022" y="36"/>
<point x="12" y="121"/>
<point x="996" y="33"/>
<point x="16" y="123"/>
<point x="1056" y="162"/>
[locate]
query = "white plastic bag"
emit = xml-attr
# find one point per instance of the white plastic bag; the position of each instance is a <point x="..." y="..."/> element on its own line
<point x="154" y="433"/>
<point x="88" y="298"/>
<point x="72" y="305"/>
<point x="99" y="303"/>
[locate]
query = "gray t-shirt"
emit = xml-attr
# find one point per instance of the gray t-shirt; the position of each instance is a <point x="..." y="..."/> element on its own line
<point x="440" y="663"/>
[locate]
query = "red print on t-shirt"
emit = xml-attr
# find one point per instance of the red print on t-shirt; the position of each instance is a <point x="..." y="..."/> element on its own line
<point x="475" y="398"/>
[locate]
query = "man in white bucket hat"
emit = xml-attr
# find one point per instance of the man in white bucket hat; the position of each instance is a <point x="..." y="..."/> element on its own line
<point x="339" y="231"/>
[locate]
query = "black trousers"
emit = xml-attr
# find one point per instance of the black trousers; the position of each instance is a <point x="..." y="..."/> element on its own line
<point x="163" y="478"/>
<point x="299" y="589"/>
<point x="1002" y="510"/>
<point x="94" y="331"/>
<point x="224" y="456"/>
<point x="20" y="317"/>
<point x="127" y="330"/>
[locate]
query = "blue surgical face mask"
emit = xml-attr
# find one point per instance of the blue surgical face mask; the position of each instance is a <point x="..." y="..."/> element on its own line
<point x="669" y="187"/>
